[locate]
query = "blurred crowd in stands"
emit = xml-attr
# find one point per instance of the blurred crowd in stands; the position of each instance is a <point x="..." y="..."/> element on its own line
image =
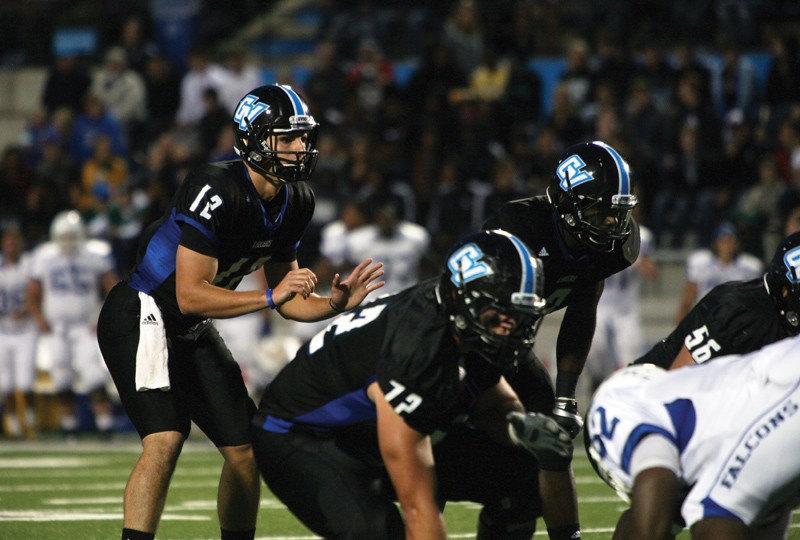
<point x="671" y="84"/>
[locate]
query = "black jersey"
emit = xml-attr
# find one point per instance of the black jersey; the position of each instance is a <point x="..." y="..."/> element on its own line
<point x="737" y="317"/>
<point x="403" y="342"/>
<point x="535" y="223"/>
<point x="217" y="212"/>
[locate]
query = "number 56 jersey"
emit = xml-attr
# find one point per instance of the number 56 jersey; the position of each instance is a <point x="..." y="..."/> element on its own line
<point x="403" y="342"/>
<point x="735" y="423"/>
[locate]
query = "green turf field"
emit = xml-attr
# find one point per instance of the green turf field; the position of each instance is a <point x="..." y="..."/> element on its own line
<point x="49" y="490"/>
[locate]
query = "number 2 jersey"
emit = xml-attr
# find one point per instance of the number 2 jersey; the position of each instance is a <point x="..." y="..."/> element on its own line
<point x="565" y="273"/>
<point x="733" y="318"/>
<point x="403" y="342"/>
<point x="217" y="212"/>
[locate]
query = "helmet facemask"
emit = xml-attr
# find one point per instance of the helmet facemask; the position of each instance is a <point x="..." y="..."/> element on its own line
<point x="782" y="281"/>
<point x="287" y="166"/>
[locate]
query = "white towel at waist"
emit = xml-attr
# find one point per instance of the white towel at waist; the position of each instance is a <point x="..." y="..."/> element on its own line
<point x="152" y="372"/>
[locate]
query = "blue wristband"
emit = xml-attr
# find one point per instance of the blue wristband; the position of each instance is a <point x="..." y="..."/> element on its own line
<point x="270" y="302"/>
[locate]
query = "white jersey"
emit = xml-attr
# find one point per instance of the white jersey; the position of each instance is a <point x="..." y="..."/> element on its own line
<point x="734" y="423"/>
<point x="13" y="283"/>
<point x="621" y="290"/>
<point x="707" y="271"/>
<point x="71" y="283"/>
<point x="400" y="253"/>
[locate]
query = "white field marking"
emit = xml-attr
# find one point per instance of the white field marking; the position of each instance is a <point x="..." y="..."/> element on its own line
<point x="103" y="486"/>
<point x="83" y="500"/>
<point x="123" y="472"/>
<point x="48" y="462"/>
<point x="51" y="515"/>
<point x="211" y="504"/>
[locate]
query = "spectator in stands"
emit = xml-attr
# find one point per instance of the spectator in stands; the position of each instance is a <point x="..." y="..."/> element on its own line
<point x="326" y="87"/>
<point x="102" y="176"/>
<point x="708" y="267"/>
<point x="17" y="336"/>
<point x="93" y="122"/>
<point x="136" y="43"/>
<point x="163" y="95"/>
<point x="656" y="73"/>
<point x="487" y="198"/>
<point x="240" y="76"/>
<point x="214" y="121"/>
<point x="55" y="186"/>
<point x="687" y="63"/>
<point x="368" y="80"/>
<point x="69" y="273"/>
<point x="37" y="128"/>
<point x="757" y="211"/>
<point x="462" y="33"/>
<point x="67" y="84"/>
<point x="733" y="84"/>
<point x="782" y="87"/>
<point x="122" y="92"/>
<point x="579" y="76"/>
<point x="202" y="74"/>
<point x="564" y="119"/>
<point x="15" y="179"/>
<point x="686" y="199"/>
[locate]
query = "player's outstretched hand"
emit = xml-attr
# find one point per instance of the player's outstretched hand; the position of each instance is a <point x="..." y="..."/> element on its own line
<point x="352" y="291"/>
<point x="301" y="281"/>
<point x="566" y="414"/>
<point x="542" y="437"/>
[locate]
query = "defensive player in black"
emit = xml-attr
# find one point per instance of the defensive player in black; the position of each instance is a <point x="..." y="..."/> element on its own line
<point x="167" y="360"/>
<point x="351" y="424"/>
<point x="583" y="232"/>
<point x="737" y="317"/>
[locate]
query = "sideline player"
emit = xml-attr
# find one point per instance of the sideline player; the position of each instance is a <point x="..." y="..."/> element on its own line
<point x="227" y="220"/>
<point x="583" y="232"/>
<point x="70" y="275"/>
<point x="712" y="448"/>
<point x="17" y="336"/>
<point x="739" y="316"/>
<point x="352" y="423"/>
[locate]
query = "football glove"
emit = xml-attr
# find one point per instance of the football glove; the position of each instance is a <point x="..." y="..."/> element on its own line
<point x="566" y="414"/>
<point x="543" y="437"/>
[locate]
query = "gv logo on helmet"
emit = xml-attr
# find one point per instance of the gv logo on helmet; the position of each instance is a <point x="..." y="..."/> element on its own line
<point x="248" y="110"/>
<point x="465" y="265"/>
<point x="792" y="261"/>
<point x="570" y="172"/>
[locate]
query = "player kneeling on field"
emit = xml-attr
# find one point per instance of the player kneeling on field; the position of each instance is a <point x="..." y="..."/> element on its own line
<point x="404" y="399"/>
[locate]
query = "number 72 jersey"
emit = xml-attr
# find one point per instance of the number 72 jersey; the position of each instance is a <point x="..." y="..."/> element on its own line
<point x="403" y="342"/>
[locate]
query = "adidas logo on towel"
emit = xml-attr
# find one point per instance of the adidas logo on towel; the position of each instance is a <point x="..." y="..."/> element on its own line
<point x="543" y="253"/>
<point x="150" y="319"/>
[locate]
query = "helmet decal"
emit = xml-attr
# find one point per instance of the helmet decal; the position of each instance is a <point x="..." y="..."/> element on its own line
<point x="792" y="261"/>
<point x="248" y="110"/>
<point x="571" y="173"/>
<point x="465" y="265"/>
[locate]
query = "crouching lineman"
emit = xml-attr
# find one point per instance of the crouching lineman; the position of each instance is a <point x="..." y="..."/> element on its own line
<point x="349" y="426"/>
<point x="712" y="448"/>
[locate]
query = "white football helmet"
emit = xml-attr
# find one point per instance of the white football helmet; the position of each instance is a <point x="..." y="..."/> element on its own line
<point x="68" y="231"/>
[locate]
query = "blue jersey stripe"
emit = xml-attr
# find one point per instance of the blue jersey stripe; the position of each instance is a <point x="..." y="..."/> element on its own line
<point x="638" y="433"/>
<point x="183" y="218"/>
<point x="624" y="178"/>
<point x="158" y="262"/>
<point x="684" y="418"/>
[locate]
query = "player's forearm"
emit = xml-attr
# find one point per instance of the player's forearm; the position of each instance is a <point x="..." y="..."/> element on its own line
<point x="312" y="309"/>
<point x="559" y="499"/>
<point x="207" y="300"/>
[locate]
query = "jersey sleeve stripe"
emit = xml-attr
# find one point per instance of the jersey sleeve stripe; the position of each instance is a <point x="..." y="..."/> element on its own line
<point x="183" y="218"/>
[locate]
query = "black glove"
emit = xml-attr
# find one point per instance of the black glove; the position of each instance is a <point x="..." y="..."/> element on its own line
<point x="543" y="437"/>
<point x="566" y="414"/>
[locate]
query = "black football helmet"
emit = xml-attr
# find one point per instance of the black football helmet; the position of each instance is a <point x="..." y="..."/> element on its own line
<point x="493" y="270"/>
<point x="782" y="281"/>
<point x="263" y="115"/>
<point x="592" y="193"/>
